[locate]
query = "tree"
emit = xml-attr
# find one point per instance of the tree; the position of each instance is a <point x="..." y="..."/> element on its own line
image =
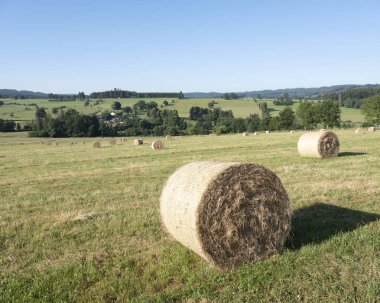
<point x="116" y="105"/>
<point x="165" y="103"/>
<point x="328" y="112"/>
<point x="286" y="118"/>
<point x="1" y="103"/>
<point x="307" y="114"/>
<point x="252" y="122"/>
<point x="371" y="109"/>
<point x="264" y="110"/>
<point x="81" y="96"/>
<point x="181" y="95"/>
<point x="40" y="113"/>
<point x="127" y="110"/>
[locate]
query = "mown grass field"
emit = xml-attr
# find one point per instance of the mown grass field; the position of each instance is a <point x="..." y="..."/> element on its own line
<point x="121" y="253"/>
<point x="241" y="108"/>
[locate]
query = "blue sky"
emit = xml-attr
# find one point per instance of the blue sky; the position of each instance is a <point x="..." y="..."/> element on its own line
<point x="171" y="45"/>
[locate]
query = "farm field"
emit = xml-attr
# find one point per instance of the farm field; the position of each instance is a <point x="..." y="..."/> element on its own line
<point x="241" y="108"/>
<point x="79" y="224"/>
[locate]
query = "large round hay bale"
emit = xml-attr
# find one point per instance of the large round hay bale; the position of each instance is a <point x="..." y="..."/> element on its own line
<point x="267" y="132"/>
<point x="371" y="129"/>
<point x="228" y="213"/>
<point x="157" y="144"/>
<point x="113" y="141"/>
<point x="318" y="144"/>
<point x="96" y="145"/>
<point x="291" y="132"/>
<point x="245" y="134"/>
<point x="138" y="142"/>
<point x="256" y="133"/>
<point x="125" y="139"/>
<point x="168" y="137"/>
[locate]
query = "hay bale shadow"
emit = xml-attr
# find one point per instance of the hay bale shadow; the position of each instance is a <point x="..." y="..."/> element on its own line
<point x="318" y="222"/>
<point x="349" y="154"/>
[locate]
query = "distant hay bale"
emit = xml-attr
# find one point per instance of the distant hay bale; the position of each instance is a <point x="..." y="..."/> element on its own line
<point x="245" y="134"/>
<point x="113" y="141"/>
<point x="228" y="213"/>
<point x="138" y="142"/>
<point x="371" y="129"/>
<point x="256" y="133"/>
<point x="210" y="135"/>
<point x="291" y="132"/>
<point x="157" y="144"/>
<point x="125" y="139"/>
<point x="359" y="131"/>
<point x="168" y="137"/>
<point x="96" y="145"/>
<point x="318" y="144"/>
<point x="267" y="132"/>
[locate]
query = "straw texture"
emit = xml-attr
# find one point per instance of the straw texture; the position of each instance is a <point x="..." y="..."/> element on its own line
<point x="228" y="213"/>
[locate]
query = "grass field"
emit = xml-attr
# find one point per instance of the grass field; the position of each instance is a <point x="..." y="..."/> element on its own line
<point x="241" y="108"/>
<point x="121" y="253"/>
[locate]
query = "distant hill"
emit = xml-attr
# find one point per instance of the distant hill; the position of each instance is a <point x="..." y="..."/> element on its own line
<point x="12" y="93"/>
<point x="312" y="93"/>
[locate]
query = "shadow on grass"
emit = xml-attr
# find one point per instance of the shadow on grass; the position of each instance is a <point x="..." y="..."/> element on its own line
<point x="348" y="154"/>
<point x="319" y="222"/>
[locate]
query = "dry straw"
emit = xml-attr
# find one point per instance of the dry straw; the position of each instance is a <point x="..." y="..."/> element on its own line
<point x="228" y="213"/>
<point x="157" y="144"/>
<point x="267" y="132"/>
<point x="125" y="139"/>
<point x="291" y="132"/>
<point x="318" y="144"/>
<point x="168" y="137"/>
<point x="256" y="133"/>
<point x="371" y="129"/>
<point x="359" y="131"/>
<point x="138" y="142"/>
<point x="96" y="145"/>
<point x="113" y="142"/>
<point x="245" y="134"/>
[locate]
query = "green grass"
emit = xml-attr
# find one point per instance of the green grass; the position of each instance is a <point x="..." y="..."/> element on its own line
<point x="241" y="108"/>
<point x="123" y="253"/>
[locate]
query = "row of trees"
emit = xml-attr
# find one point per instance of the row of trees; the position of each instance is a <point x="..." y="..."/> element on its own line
<point x="146" y="118"/>
<point x="118" y="93"/>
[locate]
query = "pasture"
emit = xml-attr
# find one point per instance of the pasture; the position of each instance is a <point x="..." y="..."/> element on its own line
<point x="24" y="111"/>
<point x="79" y="224"/>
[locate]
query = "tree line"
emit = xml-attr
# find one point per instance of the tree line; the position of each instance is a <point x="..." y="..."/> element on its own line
<point x="118" y="93"/>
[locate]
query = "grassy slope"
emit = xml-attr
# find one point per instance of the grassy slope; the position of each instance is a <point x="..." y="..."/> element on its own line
<point x="240" y="108"/>
<point x="124" y="253"/>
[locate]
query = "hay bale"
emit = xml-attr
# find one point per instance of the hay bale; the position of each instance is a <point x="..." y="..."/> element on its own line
<point x="96" y="145"/>
<point x="359" y="131"/>
<point x="138" y="142"/>
<point x="256" y="133"/>
<point x="267" y="132"/>
<point x="228" y="213"/>
<point x="245" y="134"/>
<point x="125" y="139"/>
<point x="113" y="141"/>
<point x="371" y="129"/>
<point x="318" y="144"/>
<point x="168" y="137"/>
<point x="291" y="132"/>
<point x="157" y="144"/>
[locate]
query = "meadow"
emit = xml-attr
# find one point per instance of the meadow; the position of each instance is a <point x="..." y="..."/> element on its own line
<point x="79" y="224"/>
<point x="242" y="108"/>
